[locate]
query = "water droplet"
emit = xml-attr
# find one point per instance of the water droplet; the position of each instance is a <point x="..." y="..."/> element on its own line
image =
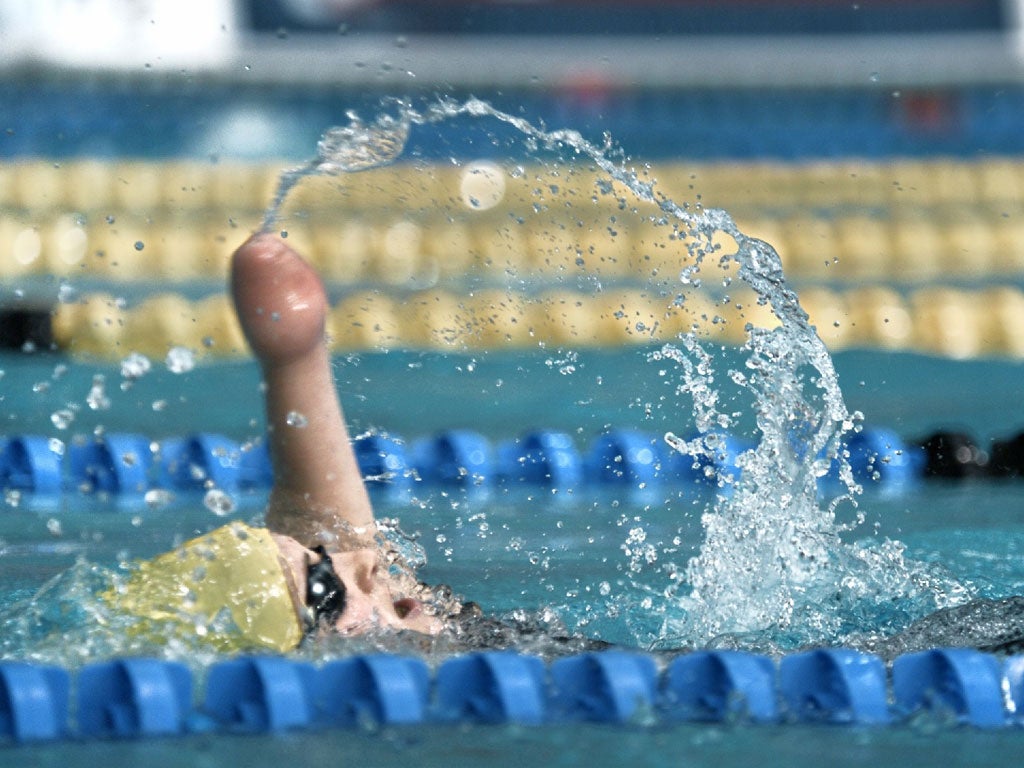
<point x="873" y="77"/>
<point x="66" y="293"/>
<point x="110" y="219"/>
<point x="56" y="446"/>
<point x="296" y="419"/>
<point x="63" y="418"/>
<point x="139" y="245"/>
<point x="157" y="497"/>
<point x="219" y="502"/>
<point x="180" y="360"/>
<point x="54" y="527"/>
<point x="135" y="366"/>
<point x="159" y="405"/>
<point x="97" y="399"/>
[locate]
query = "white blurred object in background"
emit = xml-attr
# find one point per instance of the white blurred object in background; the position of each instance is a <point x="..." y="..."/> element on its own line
<point x="119" y="34"/>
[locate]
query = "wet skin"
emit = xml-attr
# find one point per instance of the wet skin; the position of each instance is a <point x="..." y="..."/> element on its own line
<point x="318" y="495"/>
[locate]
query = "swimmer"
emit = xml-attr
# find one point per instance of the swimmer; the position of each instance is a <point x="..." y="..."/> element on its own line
<point x="319" y="512"/>
<point x="320" y="564"/>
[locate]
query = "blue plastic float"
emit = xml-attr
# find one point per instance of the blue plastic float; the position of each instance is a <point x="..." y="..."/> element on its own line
<point x="628" y="459"/>
<point x="140" y="698"/>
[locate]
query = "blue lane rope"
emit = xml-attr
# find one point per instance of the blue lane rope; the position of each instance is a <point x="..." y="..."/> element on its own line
<point x="143" y="697"/>
<point x="131" y="464"/>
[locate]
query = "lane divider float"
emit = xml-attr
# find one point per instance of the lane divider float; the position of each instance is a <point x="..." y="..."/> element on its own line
<point x="128" y="465"/>
<point x="144" y="697"/>
<point x="956" y="323"/>
<point x="178" y="221"/>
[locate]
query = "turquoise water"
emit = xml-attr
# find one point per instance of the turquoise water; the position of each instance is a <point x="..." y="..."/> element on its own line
<point x="524" y="550"/>
<point x="699" y="746"/>
<point x="515" y="548"/>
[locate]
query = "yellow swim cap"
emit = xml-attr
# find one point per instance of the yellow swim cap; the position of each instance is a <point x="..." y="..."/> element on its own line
<point x="226" y="589"/>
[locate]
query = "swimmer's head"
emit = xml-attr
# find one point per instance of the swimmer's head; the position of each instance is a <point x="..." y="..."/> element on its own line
<point x="355" y="590"/>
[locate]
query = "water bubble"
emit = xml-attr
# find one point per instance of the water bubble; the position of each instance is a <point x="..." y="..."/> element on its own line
<point x="97" y="399"/>
<point x="135" y="365"/>
<point x="54" y="527"/>
<point x="157" y="497"/>
<point x="139" y="245"/>
<point x="219" y="502"/>
<point x="56" y="446"/>
<point x="63" y="418"/>
<point x="66" y="293"/>
<point x="296" y="419"/>
<point x="180" y="360"/>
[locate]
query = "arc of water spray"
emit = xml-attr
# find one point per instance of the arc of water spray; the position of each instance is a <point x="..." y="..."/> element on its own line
<point x="800" y="437"/>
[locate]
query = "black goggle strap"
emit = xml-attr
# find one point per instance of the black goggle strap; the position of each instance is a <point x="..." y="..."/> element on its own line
<point x="325" y="592"/>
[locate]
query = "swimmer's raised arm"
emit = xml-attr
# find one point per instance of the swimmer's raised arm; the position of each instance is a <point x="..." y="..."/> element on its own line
<point x="318" y="494"/>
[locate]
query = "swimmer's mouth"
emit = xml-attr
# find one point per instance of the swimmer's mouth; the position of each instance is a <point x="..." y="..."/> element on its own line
<point x="408" y="607"/>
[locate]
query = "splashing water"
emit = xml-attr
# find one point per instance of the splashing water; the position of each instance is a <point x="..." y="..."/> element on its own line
<point x="773" y="562"/>
<point x="773" y="570"/>
<point x="345" y="149"/>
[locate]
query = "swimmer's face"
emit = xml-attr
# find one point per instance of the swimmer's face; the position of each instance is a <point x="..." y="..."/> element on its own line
<point x="373" y="599"/>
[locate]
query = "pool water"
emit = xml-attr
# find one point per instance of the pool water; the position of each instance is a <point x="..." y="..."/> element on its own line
<point x="573" y="555"/>
<point x="522" y="549"/>
<point x="512" y="547"/>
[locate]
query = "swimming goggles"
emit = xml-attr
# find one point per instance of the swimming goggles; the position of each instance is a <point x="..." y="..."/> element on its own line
<point x="325" y="592"/>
